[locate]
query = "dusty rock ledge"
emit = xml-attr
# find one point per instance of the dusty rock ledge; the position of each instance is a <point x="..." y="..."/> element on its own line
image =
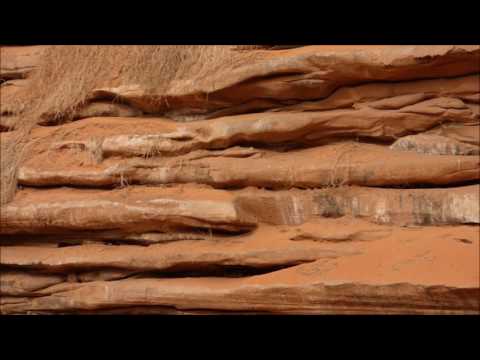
<point x="240" y="180"/>
<point x="346" y="164"/>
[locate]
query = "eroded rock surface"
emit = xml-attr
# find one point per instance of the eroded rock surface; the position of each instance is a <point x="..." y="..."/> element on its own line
<point x="17" y="62"/>
<point x="303" y="180"/>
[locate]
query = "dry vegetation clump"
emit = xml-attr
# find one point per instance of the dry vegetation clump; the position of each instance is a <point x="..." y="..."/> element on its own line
<point x="66" y="75"/>
<point x="347" y="148"/>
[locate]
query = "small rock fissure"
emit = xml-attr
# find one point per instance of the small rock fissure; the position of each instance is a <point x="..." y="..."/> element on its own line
<point x="177" y="271"/>
<point x="224" y="271"/>
<point x="119" y="237"/>
<point x="451" y="184"/>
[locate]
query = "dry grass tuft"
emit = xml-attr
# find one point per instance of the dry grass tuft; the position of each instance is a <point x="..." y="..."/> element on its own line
<point x="13" y="147"/>
<point x="336" y="180"/>
<point x="67" y="74"/>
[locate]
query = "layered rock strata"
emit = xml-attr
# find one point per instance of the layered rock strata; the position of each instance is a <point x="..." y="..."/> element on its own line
<point x="307" y="180"/>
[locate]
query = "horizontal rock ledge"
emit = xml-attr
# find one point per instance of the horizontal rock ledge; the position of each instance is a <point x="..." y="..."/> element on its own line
<point x="306" y="73"/>
<point x="262" y="249"/>
<point x="404" y="207"/>
<point x="267" y="247"/>
<point x="308" y="288"/>
<point x="238" y="99"/>
<point x="151" y="210"/>
<point x="426" y="270"/>
<point x="346" y="163"/>
<point x="393" y="95"/>
<point x="147" y="209"/>
<point x="312" y="299"/>
<point x="305" y="127"/>
<point x="153" y="136"/>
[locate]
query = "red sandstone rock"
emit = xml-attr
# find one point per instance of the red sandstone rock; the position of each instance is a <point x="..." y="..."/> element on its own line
<point x="18" y="61"/>
<point x="345" y="163"/>
<point x="382" y="284"/>
<point x="300" y="180"/>
<point x="305" y="73"/>
<point x="434" y="145"/>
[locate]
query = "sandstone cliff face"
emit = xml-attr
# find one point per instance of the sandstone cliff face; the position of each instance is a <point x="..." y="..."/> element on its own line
<point x="260" y="179"/>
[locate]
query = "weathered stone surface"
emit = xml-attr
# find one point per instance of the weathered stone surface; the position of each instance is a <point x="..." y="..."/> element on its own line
<point x="16" y="283"/>
<point x="142" y="210"/>
<point x="136" y="210"/>
<point x="19" y="61"/>
<point x="469" y="134"/>
<point x="291" y="180"/>
<point x="128" y="137"/>
<point x="305" y="73"/>
<point x="265" y="248"/>
<point x="345" y="163"/>
<point x="393" y="95"/>
<point x="434" y="145"/>
<point x="375" y="281"/>
<point x="459" y="205"/>
<point x="283" y="127"/>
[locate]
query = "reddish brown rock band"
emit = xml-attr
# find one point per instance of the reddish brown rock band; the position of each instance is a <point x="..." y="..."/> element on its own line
<point x="250" y="180"/>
